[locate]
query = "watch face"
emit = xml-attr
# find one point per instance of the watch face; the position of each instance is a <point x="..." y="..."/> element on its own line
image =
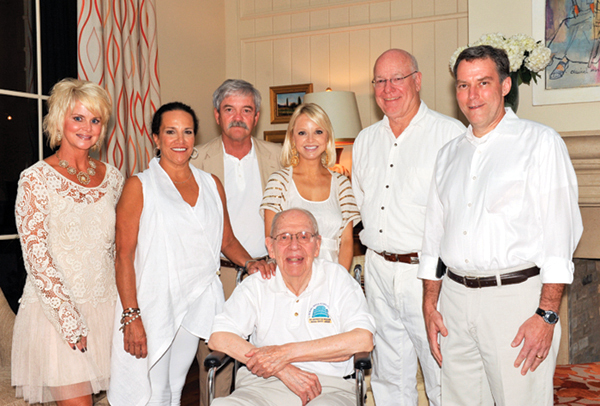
<point x="551" y="317"/>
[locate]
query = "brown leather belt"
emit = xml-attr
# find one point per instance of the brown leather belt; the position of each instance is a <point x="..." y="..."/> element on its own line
<point x="228" y="264"/>
<point x="412" y="258"/>
<point x="510" y="278"/>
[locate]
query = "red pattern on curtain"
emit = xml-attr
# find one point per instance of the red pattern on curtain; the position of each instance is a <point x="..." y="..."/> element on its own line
<point x="117" y="48"/>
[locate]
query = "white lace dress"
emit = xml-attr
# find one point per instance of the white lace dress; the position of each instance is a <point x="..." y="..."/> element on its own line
<point x="67" y="234"/>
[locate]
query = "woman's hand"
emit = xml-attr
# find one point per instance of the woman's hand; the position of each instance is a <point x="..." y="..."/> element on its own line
<point x="266" y="268"/>
<point x="134" y="339"/>
<point x="81" y="345"/>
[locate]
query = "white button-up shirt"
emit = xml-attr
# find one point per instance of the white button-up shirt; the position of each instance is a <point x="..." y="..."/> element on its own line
<point x="391" y="177"/>
<point x="502" y="201"/>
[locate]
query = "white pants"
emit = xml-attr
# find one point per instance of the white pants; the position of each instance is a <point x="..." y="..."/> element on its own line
<point x="167" y="376"/>
<point x="252" y="390"/>
<point x="478" y="361"/>
<point x="395" y="298"/>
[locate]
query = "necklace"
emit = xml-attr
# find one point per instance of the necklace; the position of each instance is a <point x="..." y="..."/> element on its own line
<point x="82" y="177"/>
<point x="183" y="181"/>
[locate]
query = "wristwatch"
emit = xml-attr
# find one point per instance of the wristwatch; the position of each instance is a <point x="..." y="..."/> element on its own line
<point x="548" y="315"/>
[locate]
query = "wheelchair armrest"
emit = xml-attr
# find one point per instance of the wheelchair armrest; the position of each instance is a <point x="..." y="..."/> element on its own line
<point x="362" y="360"/>
<point x="216" y="359"/>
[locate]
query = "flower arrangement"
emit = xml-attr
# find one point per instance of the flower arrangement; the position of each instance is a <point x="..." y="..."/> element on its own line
<point x="527" y="56"/>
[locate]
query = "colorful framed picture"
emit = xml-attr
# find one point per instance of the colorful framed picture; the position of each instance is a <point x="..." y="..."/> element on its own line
<point x="285" y="99"/>
<point x="275" y="136"/>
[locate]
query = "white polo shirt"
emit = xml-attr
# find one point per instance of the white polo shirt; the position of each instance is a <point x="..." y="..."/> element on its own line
<point x="268" y="312"/>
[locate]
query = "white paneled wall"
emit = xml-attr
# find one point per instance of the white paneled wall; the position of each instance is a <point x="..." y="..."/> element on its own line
<point x="334" y="43"/>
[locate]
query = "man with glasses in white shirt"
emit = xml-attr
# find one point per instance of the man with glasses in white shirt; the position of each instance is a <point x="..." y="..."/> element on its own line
<point x="503" y="216"/>
<point x="392" y="166"/>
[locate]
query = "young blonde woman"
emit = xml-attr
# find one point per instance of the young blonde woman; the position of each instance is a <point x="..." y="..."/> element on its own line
<point x="306" y="182"/>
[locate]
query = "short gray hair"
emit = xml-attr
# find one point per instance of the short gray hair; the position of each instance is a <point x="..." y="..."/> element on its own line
<point x="236" y="87"/>
<point x="312" y="219"/>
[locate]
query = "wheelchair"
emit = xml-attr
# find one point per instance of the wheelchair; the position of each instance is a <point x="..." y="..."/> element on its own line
<point x="216" y="359"/>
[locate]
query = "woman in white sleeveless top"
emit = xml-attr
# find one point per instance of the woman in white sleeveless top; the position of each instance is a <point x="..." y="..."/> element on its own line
<point x="307" y="183"/>
<point x="172" y="224"/>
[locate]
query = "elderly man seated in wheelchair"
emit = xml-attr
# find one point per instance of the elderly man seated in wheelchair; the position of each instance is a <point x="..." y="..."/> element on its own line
<point x="304" y="324"/>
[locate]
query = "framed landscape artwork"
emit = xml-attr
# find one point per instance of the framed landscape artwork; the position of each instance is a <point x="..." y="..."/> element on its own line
<point x="285" y="99"/>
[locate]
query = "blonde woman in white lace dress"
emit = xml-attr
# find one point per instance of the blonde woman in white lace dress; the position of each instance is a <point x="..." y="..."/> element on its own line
<point x="306" y="182"/>
<point x="65" y="213"/>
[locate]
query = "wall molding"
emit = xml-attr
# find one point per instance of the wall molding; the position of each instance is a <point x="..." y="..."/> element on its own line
<point x="305" y="9"/>
<point x="352" y="28"/>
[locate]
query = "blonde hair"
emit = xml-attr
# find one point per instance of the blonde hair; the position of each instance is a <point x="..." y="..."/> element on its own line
<point x="63" y="97"/>
<point x="316" y="114"/>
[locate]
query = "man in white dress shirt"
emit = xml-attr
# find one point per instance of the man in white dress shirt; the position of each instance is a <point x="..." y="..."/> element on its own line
<point x="243" y="164"/>
<point x="392" y="166"/>
<point x="503" y="216"/>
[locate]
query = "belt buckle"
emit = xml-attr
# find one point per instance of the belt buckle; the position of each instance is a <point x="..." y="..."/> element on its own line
<point x="472" y="279"/>
<point x="414" y="260"/>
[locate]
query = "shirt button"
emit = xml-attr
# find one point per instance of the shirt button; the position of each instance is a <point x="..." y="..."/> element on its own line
<point x="391" y="165"/>
<point x="387" y="186"/>
<point x="296" y="314"/>
<point x="464" y="233"/>
<point x="381" y="231"/>
<point x="466" y="261"/>
<point x="474" y="177"/>
<point x="382" y="207"/>
<point x="469" y="205"/>
<point x="395" y="144"/>
<point x="297" y="300"/>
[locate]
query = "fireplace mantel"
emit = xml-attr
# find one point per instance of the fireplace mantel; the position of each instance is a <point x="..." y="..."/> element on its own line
<point x="584" y="149"/>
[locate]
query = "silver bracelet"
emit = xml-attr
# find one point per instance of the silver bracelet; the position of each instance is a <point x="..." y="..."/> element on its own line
<point x="123" y="324"/>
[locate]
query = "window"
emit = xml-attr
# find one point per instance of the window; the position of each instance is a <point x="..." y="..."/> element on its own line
<point x="38" y="47"/>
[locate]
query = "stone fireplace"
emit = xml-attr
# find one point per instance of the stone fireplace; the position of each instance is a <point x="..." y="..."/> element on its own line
<point x="580" y="309"/>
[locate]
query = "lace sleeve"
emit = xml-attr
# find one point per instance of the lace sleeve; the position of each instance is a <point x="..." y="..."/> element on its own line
<point x="32" y="216"/>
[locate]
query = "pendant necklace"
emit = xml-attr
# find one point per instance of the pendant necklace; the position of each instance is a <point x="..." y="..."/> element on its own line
<point x="82" y="177"/>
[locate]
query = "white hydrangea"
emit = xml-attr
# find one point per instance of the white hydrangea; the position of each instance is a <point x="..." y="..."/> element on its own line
<point x="454" y="57"/>
<point x="522" y="51"/>
<point x="538" y="59"/>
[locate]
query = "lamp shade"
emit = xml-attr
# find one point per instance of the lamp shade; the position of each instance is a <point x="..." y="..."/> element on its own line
<point x="342" y="110"/>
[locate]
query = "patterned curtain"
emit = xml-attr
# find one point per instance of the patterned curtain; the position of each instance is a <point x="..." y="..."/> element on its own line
<point x="117" y="48"/>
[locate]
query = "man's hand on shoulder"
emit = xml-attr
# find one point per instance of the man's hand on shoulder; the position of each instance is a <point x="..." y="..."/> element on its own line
<point x="304" y="384"/>
<point x="537" y="335"/>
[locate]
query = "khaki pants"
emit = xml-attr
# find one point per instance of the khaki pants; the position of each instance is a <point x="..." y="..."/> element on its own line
<point x="477" y="367"/>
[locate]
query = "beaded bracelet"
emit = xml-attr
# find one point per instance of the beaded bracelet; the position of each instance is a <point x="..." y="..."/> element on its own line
<point x="137" y="316"/>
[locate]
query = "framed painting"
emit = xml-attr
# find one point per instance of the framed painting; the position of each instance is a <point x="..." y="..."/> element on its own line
<point x="571" y="29"/>
<point x="275" y="136"/>
<point x="285" y="99"/>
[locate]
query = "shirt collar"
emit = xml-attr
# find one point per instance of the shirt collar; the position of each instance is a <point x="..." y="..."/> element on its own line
<point x="421" y="113"/>
<point x="508" y="125"/>
<point x="316" y="280"/>
<point x="250" y="155"/>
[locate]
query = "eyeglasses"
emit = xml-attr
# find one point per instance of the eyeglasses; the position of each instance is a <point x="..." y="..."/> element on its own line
<point x="380" y="83"/>
<point x="303" y="237"/>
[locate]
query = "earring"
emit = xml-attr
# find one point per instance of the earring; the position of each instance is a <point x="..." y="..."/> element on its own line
<point x="194" y="154"/>
<point x="59" y="137"/>
<point x="294" y="161"/>
<point x="156" y="152"/>
<point x="325" y="159"/>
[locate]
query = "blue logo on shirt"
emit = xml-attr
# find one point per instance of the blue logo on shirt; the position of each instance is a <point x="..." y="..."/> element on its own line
<point x="319" y="313"/>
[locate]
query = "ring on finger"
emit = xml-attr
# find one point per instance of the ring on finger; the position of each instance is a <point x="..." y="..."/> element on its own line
<point x="539" y="357"/>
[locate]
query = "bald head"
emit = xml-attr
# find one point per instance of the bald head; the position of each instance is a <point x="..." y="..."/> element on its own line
<point x="396" y="56"/>
<point x="305" y="215"/>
